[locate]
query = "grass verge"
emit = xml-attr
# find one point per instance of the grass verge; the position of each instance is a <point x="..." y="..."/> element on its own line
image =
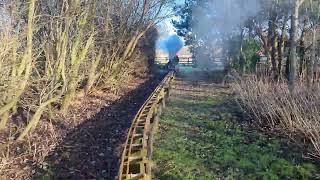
<point x="201" y="138"/>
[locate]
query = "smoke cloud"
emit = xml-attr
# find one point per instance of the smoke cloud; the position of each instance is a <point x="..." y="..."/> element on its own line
<point x="172" y="45"/>
<point x="217" y="18"/>
<point x="214" y="21"/>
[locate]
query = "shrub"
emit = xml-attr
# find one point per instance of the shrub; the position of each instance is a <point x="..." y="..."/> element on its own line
<point x="271" y="105"/>
<point x="53" y="49"/>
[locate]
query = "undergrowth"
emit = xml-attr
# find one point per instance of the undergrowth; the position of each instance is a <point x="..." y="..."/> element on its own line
<point x="273" y="107"/>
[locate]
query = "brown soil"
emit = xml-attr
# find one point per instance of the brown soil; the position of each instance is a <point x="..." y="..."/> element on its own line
<point x="85" y="144"/>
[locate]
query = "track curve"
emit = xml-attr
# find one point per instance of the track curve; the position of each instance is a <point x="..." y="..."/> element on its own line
<point x="137" y="153"/>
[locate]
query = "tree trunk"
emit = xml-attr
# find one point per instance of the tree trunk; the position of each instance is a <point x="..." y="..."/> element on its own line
<point x="78" y="56"/>
<point x="93" y="72"/>
<point x="36" y="117"/>
<point x="293" y="46"/>
<point x="242" y="59"/>
<point x="23" y="70"/>
<point x="312" y="60"/>
<point x="281" y="45"/>
<point x="302" y="47"/>
<point x="273" y="57"/>
<point x="315" y="69"/>
<point x="272" y="43"/>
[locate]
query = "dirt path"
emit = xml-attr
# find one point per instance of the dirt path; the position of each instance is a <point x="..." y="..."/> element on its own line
<point x="92" y="150"/>
<point x="204" y="135"/>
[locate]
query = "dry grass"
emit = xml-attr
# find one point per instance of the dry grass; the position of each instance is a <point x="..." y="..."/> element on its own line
<point x="295" y="115"/>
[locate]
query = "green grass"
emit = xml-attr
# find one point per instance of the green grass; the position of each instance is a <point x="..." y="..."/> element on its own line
<point x="199" y="139"/>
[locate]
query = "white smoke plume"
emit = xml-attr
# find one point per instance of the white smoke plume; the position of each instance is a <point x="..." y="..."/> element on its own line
<point x="215" y="20"/>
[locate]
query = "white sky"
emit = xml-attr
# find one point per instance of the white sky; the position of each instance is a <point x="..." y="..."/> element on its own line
<point x="166" y="26"/>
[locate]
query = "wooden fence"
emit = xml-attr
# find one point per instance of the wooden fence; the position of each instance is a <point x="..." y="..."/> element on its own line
<point x="184" y="61"/>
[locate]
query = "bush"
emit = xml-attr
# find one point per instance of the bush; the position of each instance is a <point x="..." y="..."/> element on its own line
<point x="51" y="50"/>
<point x="271" y="105"/>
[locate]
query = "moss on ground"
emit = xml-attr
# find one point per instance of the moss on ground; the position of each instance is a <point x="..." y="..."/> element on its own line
<point x="199" y="138"/>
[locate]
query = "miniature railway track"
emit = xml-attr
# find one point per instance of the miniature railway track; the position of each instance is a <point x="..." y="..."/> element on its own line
<point x="137" y="153"/>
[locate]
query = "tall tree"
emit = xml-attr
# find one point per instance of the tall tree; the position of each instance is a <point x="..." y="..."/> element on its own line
<point x="281" y="43"/>
<point x="293" y="43"/>
<point x="314" y="6"/>
<point x="242" y="57"/>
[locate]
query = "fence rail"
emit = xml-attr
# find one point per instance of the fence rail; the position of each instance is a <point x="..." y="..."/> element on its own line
<point x="184" y="61"/>
<point x="137" y="153"/>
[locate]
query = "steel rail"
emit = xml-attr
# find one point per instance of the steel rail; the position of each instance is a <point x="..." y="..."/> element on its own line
<point x="136" y="157"/>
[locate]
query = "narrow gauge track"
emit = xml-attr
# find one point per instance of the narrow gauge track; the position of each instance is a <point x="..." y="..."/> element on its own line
<point x="137" y="153"/>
